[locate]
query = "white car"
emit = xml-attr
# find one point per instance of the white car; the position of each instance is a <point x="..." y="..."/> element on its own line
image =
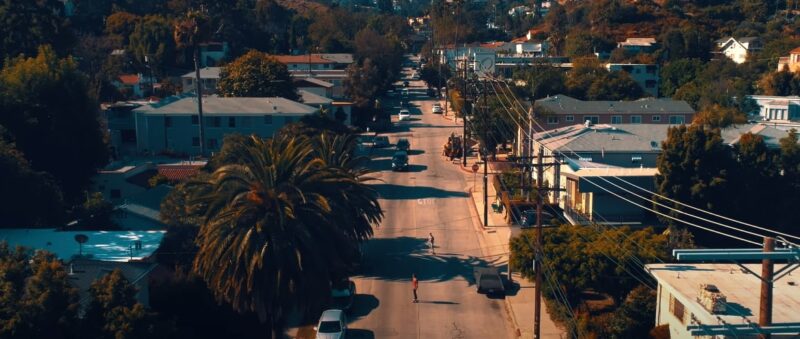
<point x="437" y="109"/>
<point x="332" y="325"/>
<point x="403" y="115"/>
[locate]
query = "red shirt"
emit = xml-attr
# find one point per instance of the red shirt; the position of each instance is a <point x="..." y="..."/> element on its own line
<point x="414" y="283"/>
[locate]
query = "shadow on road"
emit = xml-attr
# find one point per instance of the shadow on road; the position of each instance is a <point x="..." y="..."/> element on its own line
<point x="439" y="302"/>
<point x="360" y="333"/>
<point x="363" y="304"/>
<point x="398" y="258"/>
<point x="397" y="192"/>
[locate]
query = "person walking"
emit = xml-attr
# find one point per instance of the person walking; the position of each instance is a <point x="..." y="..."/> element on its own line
<point x="433" y="248"/>
<point x="414" y="284"/>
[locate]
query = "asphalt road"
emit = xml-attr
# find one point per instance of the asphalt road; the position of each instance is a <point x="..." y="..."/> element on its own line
<point x="430" y="198"/>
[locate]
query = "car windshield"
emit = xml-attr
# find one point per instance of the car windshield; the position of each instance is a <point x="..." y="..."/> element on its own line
<point x="330" y="327"/>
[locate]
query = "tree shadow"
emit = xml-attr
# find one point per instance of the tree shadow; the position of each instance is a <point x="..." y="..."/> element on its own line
<point x="363" y="304"/>
<point x="398" y="192"/>
<point x="737" y="309"/>
<point x="438" y="302"/>
<point x="396" y="259"/>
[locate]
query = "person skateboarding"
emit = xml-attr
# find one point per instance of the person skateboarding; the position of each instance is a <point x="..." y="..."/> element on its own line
<point x="431" y="239"/>
<point x="414" y="285"/>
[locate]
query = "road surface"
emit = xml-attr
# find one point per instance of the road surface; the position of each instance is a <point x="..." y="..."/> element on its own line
<point x="430" y="198"/>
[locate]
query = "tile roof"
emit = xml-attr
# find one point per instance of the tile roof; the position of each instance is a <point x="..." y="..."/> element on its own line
<point x="129" y="79"/>
<point x="795" y="51"/>
<point x="214" y="105"/>
<point x="562" y="104"/>
<point x="176" y="172"/>
<point x="302" y="59"/>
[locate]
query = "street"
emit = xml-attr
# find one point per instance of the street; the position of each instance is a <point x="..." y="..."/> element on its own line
<point x="430" y="197"/>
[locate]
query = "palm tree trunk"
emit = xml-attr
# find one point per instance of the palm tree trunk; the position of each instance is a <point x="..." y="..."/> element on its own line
<point x="199" y="90"/>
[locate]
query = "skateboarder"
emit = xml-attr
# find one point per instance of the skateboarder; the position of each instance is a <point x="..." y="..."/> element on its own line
<point x="433" y="248"/>
<point x="414" y="284"/>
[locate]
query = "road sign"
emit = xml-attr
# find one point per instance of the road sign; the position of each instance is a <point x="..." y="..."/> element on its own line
<point x="475" y="168"/>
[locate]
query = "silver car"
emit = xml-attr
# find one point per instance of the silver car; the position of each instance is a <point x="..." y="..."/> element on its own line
<point x="332" y="325"/>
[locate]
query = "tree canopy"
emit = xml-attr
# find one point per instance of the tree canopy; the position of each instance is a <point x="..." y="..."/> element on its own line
<point x="256" y="74"/>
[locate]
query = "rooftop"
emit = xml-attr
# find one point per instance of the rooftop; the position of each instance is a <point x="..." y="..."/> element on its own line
<point x="312" y="82"/>
<point x="312" y="99"/>
<point x="101" y="245"/>
<point x="562" y="104"/>
<point x="638" y="42"/>
<point x="302" y="59"/>
<point x="214" y="105"/>
<point x="771" y="135"/>
<point x="205" y="73"/>
<point x="742" y="290"/>
<point x="606" y="138"/>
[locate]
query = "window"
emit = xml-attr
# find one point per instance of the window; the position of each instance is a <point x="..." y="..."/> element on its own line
<point x="212" y="143"/>
<point x="677" y="309"/>
<point x="636" y="119"/>
<point x="167" y="121"/>
<point x="592" y="118"/>
<point x="287" y="120"/>
<point x="552" y="120"/>
<point x="676" y="119"/>
<point x="195" y="142"/>
<point x="267" y="120"/>
<point x="616" y="119"/>
<point x="231" y="121"/>
<point x="569" y="118"/>
<point x="656" y="118"/>
<point x="651" y="69"/>
<point x="116" y="194"/>
<point x="195" y="120"/>
<point x="213" y="121"/>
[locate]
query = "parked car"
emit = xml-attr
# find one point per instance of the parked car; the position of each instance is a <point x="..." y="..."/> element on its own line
<point x="380" y="141"/>
<point x="405" y="83"/>
<point x="332" y="325"/>
<point x="404" y="114"/>
<point x="405" y="92"/>
<point x="342" y="294"/>
<point x="488" y="281"/>
<point x="400" y="161"/>
<point x="403" y="144"/>
<point x="436" y="109"/>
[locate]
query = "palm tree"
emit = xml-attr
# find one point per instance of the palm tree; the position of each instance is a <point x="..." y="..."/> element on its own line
<point x="273" y="233"/>
<point x="189" y="32"/>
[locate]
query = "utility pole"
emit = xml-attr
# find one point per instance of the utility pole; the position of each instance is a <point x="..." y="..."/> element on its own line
<point x="537" y="315"/>
<point x="464" y="113"/>
<point x="486" y="162"/>
<point x="199" y="88"/>
<point x="767" y="273"/>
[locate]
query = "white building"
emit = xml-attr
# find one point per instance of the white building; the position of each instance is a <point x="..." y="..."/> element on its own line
<point x="646" y="75"/>
<point x="209" y="76"/>
<point x="777" y="108"/>
<point x="738" y="49"/>
<point x="638" y="44"/>
<point x="682" y="301"/>
<point x="172" y="125"/>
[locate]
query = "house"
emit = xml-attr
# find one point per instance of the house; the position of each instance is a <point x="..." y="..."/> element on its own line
<point x="335" y="77"/>
<point x="119" y="182"/>
<point x="561" y="111"/>
<point x="314" y="85"/>
<point x="213" y="53"/>
<point x="315" y="61"/>
<point x="209" y="76"/>
<point x="690" y="294"/>
<point x="738" y="49"/>
<point x="638" y="45"/>
<point x="790" y="63"/>
<point x="100" y="253"/>
<point x="141" y="212"/>
<point x="172" y="125"/>
<point x="134" y="85"/>
<point x="776" y="108"/>
<point x="646" y="75"/>
<point x="121" y="127"/>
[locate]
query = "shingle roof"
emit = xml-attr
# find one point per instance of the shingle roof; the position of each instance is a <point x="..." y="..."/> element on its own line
<point x="608" y="138"/>
<point x="562" y="104"/>
<point x="213" y="105"/>
<point x="205" y="73"/>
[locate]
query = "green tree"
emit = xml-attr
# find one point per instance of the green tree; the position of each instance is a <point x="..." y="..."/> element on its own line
<point x="26" y="25"/>
<point x="114" y="312"/>
<point x="152" y="38"/>
<point x="120" y="26"/>
<point x="717" y="116"/>
<point x="36" y="290"/>
<point x="256" y="74"/>
<point x="95" y="213"/>
<point x="277" y="190"/>
<point x="48" y="114"/>
<point x="677" y="73"/>
<point x="615" y="86"/>
<point x="578" y="44"/>
<point x="780" y="83"/>
<point x="37" y="199"/>
<point x="634" y="318"/>
<point x="362" y="83"/>
<point x="545" y="80"/>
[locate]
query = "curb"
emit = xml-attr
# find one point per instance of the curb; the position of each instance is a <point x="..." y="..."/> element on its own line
<point x="475" y="209"/>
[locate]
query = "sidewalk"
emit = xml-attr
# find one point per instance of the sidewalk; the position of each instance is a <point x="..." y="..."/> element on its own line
<point x="496" y="236"/>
